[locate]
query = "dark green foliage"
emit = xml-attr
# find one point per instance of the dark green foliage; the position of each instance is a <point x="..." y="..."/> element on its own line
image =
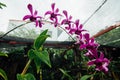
<point x="111" y="38"/>
<point x="27" y="76"/>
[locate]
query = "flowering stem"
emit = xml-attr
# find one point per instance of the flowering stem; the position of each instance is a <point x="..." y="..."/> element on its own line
<point x="26" y="67"/>
<point x="61" y="28"/>
<point x="67" y="33"/>
<point x="13" y="29"/>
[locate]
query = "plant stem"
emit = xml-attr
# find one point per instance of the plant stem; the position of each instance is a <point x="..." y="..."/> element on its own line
<point x="40" y="74"/>
<point x="26" y="67"/>
<point x="68" y="34"/>
<point x="13" y="29"/>
<point x="59" y="26"/>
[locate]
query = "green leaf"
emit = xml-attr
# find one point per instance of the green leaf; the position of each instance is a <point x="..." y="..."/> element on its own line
<point x="3" y="74"/>
<point x="31" y="54"/>
<point x="3" y="54"/>
<point x="66" y="74"/>
<point x="44" y="57"/>
<point x="85" y="77"/>
<point x="44" y="32"/>
<point x="2" y="5"/>
<point x="37" y="63"/>
<point x="20" y="77"/>
<point x="38" y="56"/>
<point x="27" y="76"/>
<point x="40" y="40"/>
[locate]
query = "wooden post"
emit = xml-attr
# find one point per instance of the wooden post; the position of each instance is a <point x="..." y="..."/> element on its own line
<point x="106" y="30"/>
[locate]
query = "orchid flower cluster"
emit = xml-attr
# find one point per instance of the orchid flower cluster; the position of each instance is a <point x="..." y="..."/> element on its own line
<point x="83" y="39"/>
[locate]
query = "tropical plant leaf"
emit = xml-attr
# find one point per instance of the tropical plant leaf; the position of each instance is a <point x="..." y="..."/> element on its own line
<point x="44" y="32"/>
<point x="3" y="74"/>
<point x="44" y="57"/>
<point x="40" y="40"/>
<point x="37" y="62"/>
<point x="31" y="54"/>
<point x="85" y="77"/>
<point x="66" y="74"/>
<point x="3" y="54"/>
<point x="27" y="76"/>
<point x="39" y="56"/>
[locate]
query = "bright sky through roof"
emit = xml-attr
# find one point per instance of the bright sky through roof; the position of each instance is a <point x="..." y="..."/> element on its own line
<point x="79" y="9"/>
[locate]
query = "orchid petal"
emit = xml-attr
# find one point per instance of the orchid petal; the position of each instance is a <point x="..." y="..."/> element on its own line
<point x="87" y="36"/>
<point x="70" y="17"/>
<point x="48" y="12"/>
<point x="101" y="55"/>
<point x="91" y="62"/>
<point x="63" y="21"/>
<point x="39" y="17"/>
<point x="92" y="40"/>
<point x="83" y="46"/>
<point x="72" y="31"/>
<point x="80" y="26"/>
<point x="40" y="24"/>
<point x="65" y="13"/>
<point x="51" y="19"/>
<point x="58" y="14"/>
<point x="30" y="8"/>
<point x="36" y="23"/>
<point x="77" y="22"/>
<point x="35" y="13"/>
<point x="68" y="27"/>
<point x="26" y="17"/>
<point x="53" y="6"/>
<point x="57" y="10"/>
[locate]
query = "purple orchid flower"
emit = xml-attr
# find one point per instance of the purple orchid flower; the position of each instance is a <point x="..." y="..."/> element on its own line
<point x="33" y="16"/>
<point x="77" y="29"/>
<point x="88" y="43"/>
<point x="53" y="14"/>
<point x="101" y="63"/>
<point x="67" y="20"/>
<point x="92" y="54"/>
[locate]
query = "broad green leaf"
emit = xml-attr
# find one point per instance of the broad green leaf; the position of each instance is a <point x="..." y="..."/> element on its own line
<point x="27" y="76"/>
<point x="3" y="74"/>
<point x="44" y="57"/>
<point x="3" y="54"/>
<point x="38" y="57"/>
<point x="40" y="40"/>
<point x="85" y="77"/>
<point x="20" y="77"/>
<point x="37" y="63"/>
<point x="30" y="76"/>
<point x="31" y="54"/>
<point x="66" y="74"/>
<point x="44" y="32"/>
